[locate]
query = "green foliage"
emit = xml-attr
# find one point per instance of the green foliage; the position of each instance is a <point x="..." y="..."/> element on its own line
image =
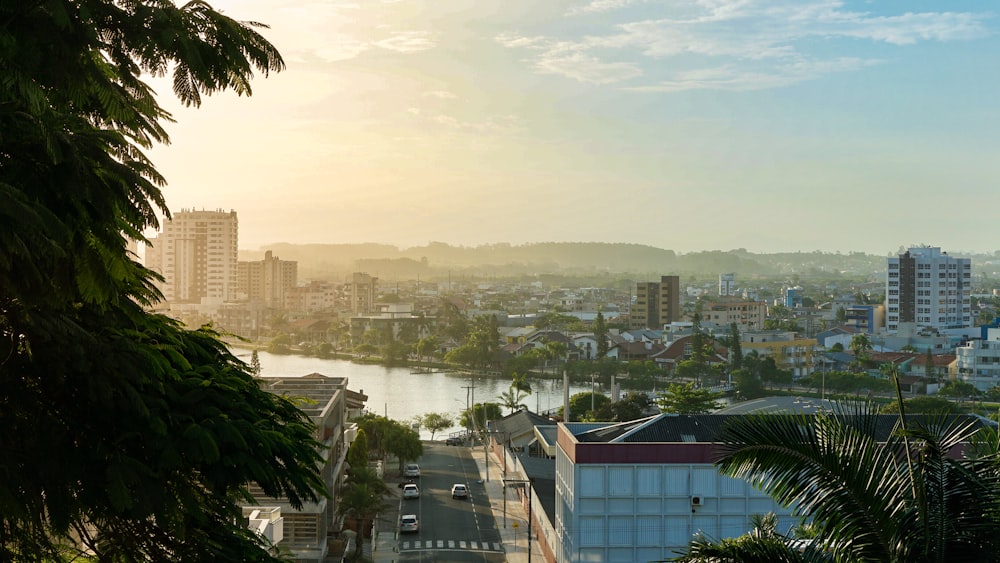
<point x="436" y="422"/>
<point x="631" y="407"/>
<point x="480" y="414"/>
<point x="254" y="364"/>
<point x="685" y="398"/>
<point x="958" y="389"/>
<point x="357" y="453"/>
<point x="748" y="385"/>
<point x="869" y="497"/>
<point x="601" y="335"/>
<point x="583" y="406"/>
<point x="404" y="443"/>
<point x="122" y="431"/>
<point x="735" y="348"/>
<point x="918" y="405"/>
<point x="845" y="382"/>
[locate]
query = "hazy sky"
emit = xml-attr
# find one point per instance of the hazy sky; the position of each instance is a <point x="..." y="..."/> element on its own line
<point x="689" y="125"/>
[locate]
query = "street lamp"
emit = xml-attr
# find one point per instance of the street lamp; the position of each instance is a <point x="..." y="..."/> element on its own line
<point x="519" y="484"/>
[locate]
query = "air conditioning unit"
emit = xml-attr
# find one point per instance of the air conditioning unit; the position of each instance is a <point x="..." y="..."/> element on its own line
<point x="696" y="501"/>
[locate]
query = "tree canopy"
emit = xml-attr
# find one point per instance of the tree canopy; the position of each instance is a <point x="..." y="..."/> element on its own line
<point x="685" y="398"/>
<point x="123" y="432"/>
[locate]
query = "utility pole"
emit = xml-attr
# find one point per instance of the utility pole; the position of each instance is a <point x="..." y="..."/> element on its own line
<point x="592" y="392"/>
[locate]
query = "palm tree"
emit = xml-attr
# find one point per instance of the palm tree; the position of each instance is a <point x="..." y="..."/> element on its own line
<point x="905" y="498"/>
<point x="512" y="398"/>
<point x="361" y="497"/>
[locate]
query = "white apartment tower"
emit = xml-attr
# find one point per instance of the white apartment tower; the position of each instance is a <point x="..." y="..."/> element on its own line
<point x="196" y="253"/>
<point x="727" y="285"/>
<point x="927" y="288"/>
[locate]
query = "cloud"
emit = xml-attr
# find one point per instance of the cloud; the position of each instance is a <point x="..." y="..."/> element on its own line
<point x="586" y="68"/>
<point x="600" y="6"/>
<point x="730" y="44"/>
<point x="407" y="42"/>
<point x="734" y="78"/>
<point x="440" y="94"/>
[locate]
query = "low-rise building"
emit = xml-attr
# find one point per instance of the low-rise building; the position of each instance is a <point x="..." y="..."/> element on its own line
<point x="306" y="530"/>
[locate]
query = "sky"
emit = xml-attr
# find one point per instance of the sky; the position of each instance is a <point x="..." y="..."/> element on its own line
<point x="769" y="125"/>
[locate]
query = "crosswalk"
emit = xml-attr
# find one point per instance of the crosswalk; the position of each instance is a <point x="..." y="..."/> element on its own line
<point x="418" y="545"/>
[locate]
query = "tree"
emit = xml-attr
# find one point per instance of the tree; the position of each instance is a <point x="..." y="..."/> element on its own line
<point x="426" y="347"/>
<point x="631" y="407"/>
<point x="685" y="398"/>
<point x="601" y="335"/>
<point x="861" y="346"/>
<point x="255" y="364"/>
<point x="361" y="497"/>
<point x="735" y="349"/>
<point x="124" y="432"/>
<point x="512" y="399"/>
<point x="582" y="406"/>
<point x="436" y="422"/>
<point x="357" y="453"/>
<point x="404" y="443"/>
<point x="870" y="497"/>
<point x="918" y="405"/>
<point x="477" y="417"/>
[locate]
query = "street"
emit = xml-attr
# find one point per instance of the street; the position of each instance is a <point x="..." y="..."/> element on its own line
<point x="450" y="529"/>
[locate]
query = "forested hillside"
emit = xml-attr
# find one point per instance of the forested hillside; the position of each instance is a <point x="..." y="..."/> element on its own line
<point x="439" y="260"/>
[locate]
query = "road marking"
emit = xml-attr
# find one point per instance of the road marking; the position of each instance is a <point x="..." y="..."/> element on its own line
<point x="449" y="545"/>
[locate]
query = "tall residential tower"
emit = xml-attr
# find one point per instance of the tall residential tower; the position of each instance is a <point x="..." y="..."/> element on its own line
<point x="656" y="303"/>
<point x="196" y="253"/>
<point x="927" y="288"/>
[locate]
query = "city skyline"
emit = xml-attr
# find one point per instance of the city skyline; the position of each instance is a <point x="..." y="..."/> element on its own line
<point x="771" y="126"/>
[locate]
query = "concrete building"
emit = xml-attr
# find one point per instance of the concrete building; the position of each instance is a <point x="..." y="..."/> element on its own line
<point x="196" y="253"/>
<point x="727" y="285"/>
<point x="266" y="281"/>
<point x="312" y="297"/>
<point x="978" y="361"/>
<point x="638" y="491"/>
<point x="788" y="350"/>
<point x="927" y="288"/>
<point x="656" y="303"/>
<point x="865" y="318"/>
<point x="324" y="399"/>
<point x="748" y="315"/>
<point x="362" y="290"/>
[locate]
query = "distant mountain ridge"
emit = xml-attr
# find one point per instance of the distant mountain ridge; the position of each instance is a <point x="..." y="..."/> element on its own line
<point x="439" y="260"/>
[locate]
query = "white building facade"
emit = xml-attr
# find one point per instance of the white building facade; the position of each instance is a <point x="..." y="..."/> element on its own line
<point x="196" y="253"/>
<point x="978" y="361"/>
<point x="927" y="288"/>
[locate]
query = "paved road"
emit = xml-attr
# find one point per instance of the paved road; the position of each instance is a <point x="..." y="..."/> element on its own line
<point x="450" y="529"/>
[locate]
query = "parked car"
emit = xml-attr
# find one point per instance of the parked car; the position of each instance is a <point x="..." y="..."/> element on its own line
<point x="409" y="523"/>
<point x="453" y="441"/>
<point x="458" y="490"/>
<point x="411" y="491"/>
<point x="411" y="470"/>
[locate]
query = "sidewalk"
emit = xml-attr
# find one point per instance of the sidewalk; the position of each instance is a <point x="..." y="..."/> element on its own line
<point x="515" y="539"/>
<point x="514" y="536"/>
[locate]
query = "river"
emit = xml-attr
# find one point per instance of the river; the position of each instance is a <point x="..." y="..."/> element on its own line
<point x="402" y="394"/>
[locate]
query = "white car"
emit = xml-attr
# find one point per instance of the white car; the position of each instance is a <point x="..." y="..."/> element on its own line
<point x="409" y="523"/>
<point x="411" y="491"/>
<point x="458" y="490"/>
<point x="411" y="470"/>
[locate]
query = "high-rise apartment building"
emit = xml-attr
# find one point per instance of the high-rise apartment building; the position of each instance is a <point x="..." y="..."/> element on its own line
<point x="266" y="281"/>
<point x="363" y="291"/>
<point x="927" y="288"/>
<point x="727" y="285"/>
<point x="196" y="253"/>
<point x="656" y="303"/>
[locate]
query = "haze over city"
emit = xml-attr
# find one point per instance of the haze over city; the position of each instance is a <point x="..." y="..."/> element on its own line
<point x="767" y="125"/>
